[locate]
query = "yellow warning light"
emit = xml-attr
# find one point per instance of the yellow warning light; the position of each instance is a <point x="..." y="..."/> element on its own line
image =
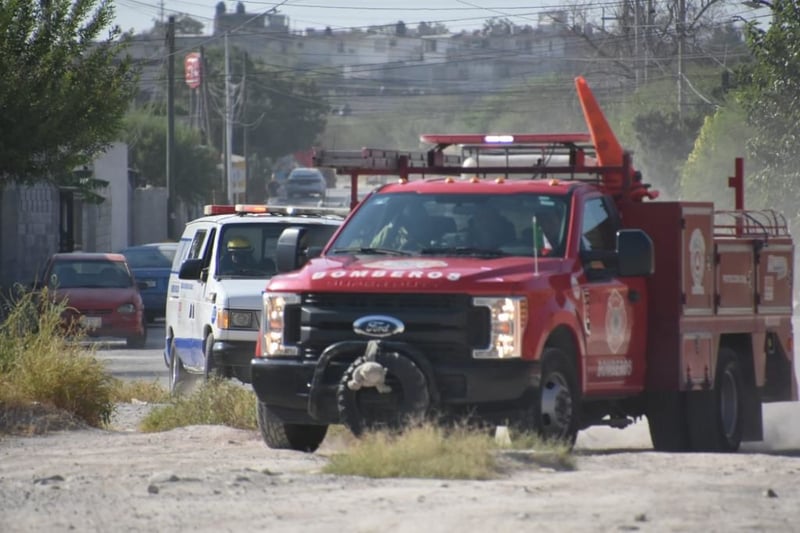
<point x="449" y="179"/>
<point x="554" y="182"/>
<point x="474" y="179"/>
<point x="501" y="179"/>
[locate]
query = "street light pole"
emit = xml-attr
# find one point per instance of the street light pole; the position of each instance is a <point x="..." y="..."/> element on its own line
<point x="171" y="127"/>
<point x="228" y="126"/>
<point x="681" y="23"/>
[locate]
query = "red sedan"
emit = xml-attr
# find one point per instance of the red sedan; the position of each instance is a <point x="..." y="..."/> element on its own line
<point x="101" y="294"/>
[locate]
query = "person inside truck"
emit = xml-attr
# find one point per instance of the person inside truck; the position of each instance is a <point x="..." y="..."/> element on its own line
<point x="408" y="231"/>
<point x="238" y="256"/>
<point x="489" y="229"/>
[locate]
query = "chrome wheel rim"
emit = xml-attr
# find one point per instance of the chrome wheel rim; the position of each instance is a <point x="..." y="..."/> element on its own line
<point x="556" y="407"/>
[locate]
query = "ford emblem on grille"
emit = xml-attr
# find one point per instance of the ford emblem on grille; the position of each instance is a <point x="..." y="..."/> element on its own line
<point x="378" y="326"/>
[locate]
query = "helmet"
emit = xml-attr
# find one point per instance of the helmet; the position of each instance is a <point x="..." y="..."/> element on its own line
<point x="239" y="244"/>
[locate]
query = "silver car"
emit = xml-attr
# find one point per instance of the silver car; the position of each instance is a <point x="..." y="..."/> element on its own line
<point x="305" y="182"/>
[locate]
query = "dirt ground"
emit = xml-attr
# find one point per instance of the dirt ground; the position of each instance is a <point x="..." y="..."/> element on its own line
<point x="213" y="478"/>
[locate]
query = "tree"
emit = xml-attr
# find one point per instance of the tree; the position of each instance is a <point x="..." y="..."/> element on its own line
<point x="769" y="91"/>
<point x="63" y="94"/>
<point x="278" y="111"/>
<point x="196" y="173"/>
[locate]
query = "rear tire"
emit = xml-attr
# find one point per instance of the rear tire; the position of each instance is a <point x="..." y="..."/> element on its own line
<point x="281" y="436"/>
<point x="716" y="417"/>
<point x="666" y="418"/>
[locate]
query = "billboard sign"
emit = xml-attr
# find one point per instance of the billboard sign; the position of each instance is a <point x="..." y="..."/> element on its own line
<point x="192" y="70"/>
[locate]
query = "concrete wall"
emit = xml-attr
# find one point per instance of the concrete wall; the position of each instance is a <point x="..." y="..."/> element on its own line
<point x="112" y="166"/>
<point x="29" y="231"/>
<point x="149" y="215"/>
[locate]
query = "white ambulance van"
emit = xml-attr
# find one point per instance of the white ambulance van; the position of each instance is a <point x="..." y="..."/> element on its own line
<point x="220" y="269"/>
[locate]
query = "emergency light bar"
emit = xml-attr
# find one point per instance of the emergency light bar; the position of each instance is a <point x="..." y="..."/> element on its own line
<point x="290" y="210"/>
<point x="255" y="209"/>
<point x="218" y="209"/>
<point x="478" y="139"/>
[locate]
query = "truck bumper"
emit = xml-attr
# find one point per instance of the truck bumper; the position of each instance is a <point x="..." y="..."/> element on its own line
<point x="487" y="386"/>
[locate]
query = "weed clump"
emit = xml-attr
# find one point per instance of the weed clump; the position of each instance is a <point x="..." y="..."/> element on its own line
<point x="41" y="364"/>
<point x="215" y="402"/>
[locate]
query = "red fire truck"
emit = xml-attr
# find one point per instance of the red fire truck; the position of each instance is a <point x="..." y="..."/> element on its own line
<point x="548" y="297"/>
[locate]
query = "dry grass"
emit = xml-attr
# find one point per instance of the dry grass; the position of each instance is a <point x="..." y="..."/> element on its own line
<point x="139" y="391"/>
<point x="41" y="365"/>
<point x="431" y="451"/>
<point x="216" y="402"/>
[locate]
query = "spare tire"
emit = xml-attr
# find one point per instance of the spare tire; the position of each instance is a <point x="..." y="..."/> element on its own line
<point x="367" y="409"/>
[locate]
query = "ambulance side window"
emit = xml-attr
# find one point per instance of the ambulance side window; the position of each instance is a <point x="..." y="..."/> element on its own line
<point x="180" y="255"/>
<point x="197" y="244"/>
<point x="209" y="251"/>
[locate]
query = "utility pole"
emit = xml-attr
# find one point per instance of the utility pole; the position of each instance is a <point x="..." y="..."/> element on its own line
<point x="681" y="27"/>
<point x="171" y="127"/>
<point x="228" y="126"/>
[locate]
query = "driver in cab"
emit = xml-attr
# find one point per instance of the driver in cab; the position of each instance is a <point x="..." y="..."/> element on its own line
<point x="238" y="257"/>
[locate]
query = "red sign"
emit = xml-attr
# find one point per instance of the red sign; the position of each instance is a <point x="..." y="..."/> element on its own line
<point x="192" y="71"/>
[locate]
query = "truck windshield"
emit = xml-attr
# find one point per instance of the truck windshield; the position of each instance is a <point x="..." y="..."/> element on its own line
<point x="456" y="224"/>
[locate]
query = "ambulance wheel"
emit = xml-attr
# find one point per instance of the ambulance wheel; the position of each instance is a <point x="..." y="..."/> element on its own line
<point x="212" y="368"/>
<point x="180" y="381"/>
<point x="281" y="436"/>
<point x="367" y="409"/>
<point x="557" y="408"/>
<point x="716" y="416"/>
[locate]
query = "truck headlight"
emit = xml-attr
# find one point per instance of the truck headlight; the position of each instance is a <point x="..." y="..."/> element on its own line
<point x="507" y="318"/>
<point x="273" y="324"/>
<point x="233" y="319"/>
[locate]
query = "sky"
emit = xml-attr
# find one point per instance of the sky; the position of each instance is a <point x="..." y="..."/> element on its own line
<point x="338" y="14"/>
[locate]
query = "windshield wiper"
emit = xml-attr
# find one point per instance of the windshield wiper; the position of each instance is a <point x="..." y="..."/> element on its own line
<point x="463" y="250"/>
<point x="369" y="251"/>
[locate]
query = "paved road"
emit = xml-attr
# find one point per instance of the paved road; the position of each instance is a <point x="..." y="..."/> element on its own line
<point x="146" y="364"/>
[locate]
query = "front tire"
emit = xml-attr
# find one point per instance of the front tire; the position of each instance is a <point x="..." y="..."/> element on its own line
<point x="180" y="381"/>
<point x="281" y="436"/>
<point x="554" y="415"/>
<point x="212" y="369"/>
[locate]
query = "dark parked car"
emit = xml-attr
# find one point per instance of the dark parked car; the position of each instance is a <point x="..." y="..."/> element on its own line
<point x="100" y="293"/>
<point x="151" y="264"/>
<point x="305" y="182"/>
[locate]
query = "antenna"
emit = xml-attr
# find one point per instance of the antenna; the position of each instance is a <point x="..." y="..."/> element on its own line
<point x="535" y="248"/>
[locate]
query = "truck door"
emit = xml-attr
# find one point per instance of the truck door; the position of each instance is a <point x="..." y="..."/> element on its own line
<point x="612" y="363"/>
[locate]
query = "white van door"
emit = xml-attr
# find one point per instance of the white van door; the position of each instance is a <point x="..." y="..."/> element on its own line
<point x="187" y="342"/>
<point x="203" y="297"/>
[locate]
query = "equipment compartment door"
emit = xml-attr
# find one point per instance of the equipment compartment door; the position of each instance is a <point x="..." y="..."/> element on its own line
<point x="698" y="260"/>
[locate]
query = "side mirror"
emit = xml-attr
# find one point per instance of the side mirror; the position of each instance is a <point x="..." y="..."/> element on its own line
<point x="190" y="269"/>
<point x="288" y="254"/>
<point x="635" y="253"/>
